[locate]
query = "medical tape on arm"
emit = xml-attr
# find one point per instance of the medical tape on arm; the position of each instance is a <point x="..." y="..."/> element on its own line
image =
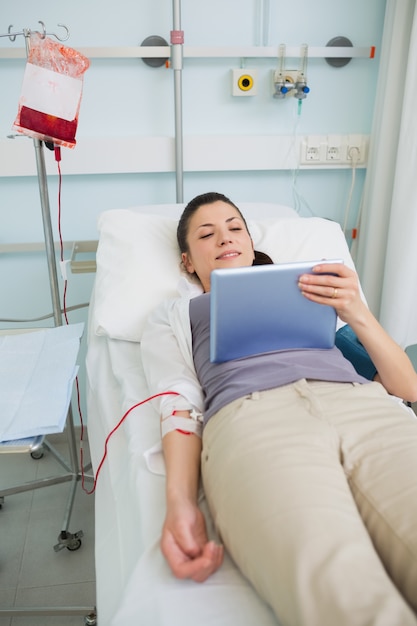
<point x="186" y="425"/>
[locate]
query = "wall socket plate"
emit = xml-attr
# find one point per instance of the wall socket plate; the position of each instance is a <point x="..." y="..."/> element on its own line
<point x="329" y="150"/>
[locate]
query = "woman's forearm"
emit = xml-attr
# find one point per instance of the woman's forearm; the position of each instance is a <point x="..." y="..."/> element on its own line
<point x="182" y="462"/>
<point x="184" y="540"/>
<point x="337" y="285"/>
<point x="395" y="370"/>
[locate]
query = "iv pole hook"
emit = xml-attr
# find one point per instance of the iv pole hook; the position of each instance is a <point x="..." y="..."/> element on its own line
<point x="11" y="37"/>
<point x="26" y="32"/>
<point x="63" y="38"/>
<point x="43" y="34"/>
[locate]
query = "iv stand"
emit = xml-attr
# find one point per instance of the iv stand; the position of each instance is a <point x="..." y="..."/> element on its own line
<point x="177" y="41"/>
<point x="71" y="541"/>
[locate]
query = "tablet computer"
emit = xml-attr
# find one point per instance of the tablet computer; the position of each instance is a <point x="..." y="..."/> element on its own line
<point x="259" y="309"/>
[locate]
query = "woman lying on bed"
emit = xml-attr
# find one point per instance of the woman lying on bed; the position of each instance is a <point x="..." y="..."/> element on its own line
<point x="309" y="468"/>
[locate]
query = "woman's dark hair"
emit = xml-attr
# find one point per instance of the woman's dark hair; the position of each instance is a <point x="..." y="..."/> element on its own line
<point x="261" y="258"/>
<point x="209" y="198"/>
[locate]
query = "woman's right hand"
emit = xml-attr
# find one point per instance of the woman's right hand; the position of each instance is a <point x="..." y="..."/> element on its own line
<point x="184" y="541"/>
<point x="185" y="545"/>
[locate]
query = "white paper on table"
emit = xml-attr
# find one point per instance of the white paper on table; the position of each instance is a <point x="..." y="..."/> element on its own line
<point x="37" y="371"/>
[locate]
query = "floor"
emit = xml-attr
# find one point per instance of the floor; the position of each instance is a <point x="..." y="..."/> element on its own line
<point x="31" y="572"/>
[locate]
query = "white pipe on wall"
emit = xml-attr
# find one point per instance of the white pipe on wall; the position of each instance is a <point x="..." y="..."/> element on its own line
<point x="266" y="14"/>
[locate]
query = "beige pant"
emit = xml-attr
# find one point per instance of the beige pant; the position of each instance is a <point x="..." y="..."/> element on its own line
<point x="313" y="488"/>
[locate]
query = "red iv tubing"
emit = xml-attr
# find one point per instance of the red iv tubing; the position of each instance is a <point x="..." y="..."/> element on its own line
<point x="111" y="433"/>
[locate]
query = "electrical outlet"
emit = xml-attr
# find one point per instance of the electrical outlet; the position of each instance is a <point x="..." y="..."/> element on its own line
<point x="311" y="150"/>
<point x="312" y="153"/>
<point x="334" y="151"/>
<point x="355" y="149"/>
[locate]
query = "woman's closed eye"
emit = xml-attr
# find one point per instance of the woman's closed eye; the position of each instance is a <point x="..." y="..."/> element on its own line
<point x="207" y="235"/>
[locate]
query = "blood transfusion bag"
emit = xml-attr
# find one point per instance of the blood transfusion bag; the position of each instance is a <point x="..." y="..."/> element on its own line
<point x="51" y="92"/>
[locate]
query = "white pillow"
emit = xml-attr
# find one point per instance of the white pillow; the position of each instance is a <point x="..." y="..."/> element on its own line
<point x="138" y="263"/>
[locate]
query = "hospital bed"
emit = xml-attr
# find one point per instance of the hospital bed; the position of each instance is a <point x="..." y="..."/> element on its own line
<point x="137" y="267"/>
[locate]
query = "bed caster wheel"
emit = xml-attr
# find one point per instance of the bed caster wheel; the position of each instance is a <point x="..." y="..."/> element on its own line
<point x="90" y="619"/>
<point x="73" y="545"/>
<point x="68" y="540"/>
<point x="37" y="454"/>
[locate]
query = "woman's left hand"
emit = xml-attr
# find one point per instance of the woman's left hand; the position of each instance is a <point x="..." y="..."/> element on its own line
<point x="336" y="285"/>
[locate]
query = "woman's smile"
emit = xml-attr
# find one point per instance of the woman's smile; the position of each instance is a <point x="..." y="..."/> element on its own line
<point x="228" y="255"/>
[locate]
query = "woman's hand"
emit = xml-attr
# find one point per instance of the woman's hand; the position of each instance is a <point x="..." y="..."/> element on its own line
<point x="395" y="370"/>
<point x="336" y="285"/>
<point x="184" y="543"/>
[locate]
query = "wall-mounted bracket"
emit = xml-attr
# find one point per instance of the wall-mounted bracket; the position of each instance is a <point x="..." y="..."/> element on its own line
<point x="154" y="40"/>
<point x="339" y="42"/>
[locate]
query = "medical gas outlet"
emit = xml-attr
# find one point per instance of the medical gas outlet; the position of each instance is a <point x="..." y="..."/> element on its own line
<point x="289" y="83"/>
<point x="244" y="82"/>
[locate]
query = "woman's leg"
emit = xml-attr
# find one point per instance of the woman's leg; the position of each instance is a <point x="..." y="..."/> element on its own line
<point x="379" y="447"/>
<point x="278" y="494"/>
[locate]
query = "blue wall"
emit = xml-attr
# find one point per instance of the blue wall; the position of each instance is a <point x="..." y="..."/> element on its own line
<point x="126" y="98"/>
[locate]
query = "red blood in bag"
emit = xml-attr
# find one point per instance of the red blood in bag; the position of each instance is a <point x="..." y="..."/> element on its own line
<point x="48" y="125"/>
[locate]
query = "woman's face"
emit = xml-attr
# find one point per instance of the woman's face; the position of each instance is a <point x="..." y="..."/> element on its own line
<point x="217" y="238"/>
